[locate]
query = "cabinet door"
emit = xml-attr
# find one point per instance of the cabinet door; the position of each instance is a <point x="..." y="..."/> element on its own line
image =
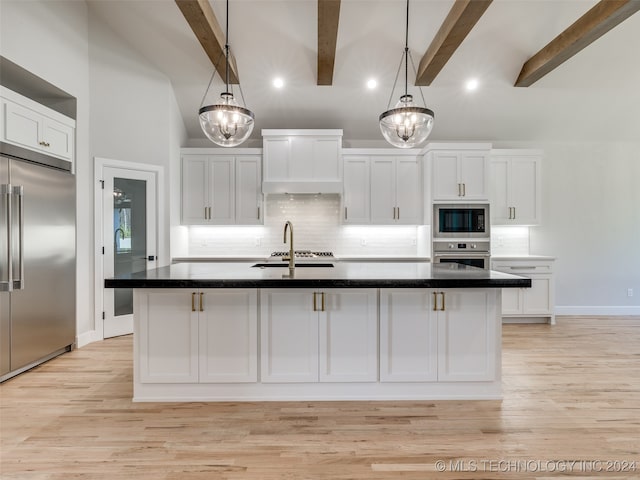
<point x="277" y="156"/>
<point x="248" y="191"/>
<point x="467" y="335"/>
<point x="474" y="169"/>
<point x="288" y="336"/>
<point x="326" y="159"/>
<point x="511" y="301"/>
<point x="408" y="336"/>
<point x="58" y="138"/>
<point x="523" y="189"/>
<point x="228" y="334"/>
<point x="356" y="190"/>
<point x="383" y="191"/>
<point x="537" y="299"/>
<point x="195" y="189"/>
<point x="408" y="191"/>
<point x="167" y="342"/>
<point x="221" y="190"/>
<point x="22" y="126"/>
<point x="348" y="335"/>
<point x="499" y="192"/>
<point x="445" y="181"/>
<point x="301" y="165"/>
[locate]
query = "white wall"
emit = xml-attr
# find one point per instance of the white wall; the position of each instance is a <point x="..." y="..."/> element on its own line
<point x="591" y="223"/>
<point x="50" y="39"/>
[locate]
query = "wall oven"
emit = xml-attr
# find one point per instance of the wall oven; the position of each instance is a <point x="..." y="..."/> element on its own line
<point x="465" y="221"/>
<point x="471" y="253"/>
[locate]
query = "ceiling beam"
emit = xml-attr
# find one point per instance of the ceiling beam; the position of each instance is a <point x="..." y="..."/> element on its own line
<point x="328" y="19"/>
<point x="461" y="19"/>
<point x="203" y="22"/>
<point x="605" y="15"/>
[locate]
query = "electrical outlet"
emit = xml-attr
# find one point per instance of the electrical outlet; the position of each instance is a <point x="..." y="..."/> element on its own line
<point x="258" y="241"/>
<point x="630" y="292"/>
<point x="363" y="242"/>
<point x="414" y="242"/>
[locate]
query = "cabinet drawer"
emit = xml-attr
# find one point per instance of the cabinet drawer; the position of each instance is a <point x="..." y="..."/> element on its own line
<point x="523" y="267"/>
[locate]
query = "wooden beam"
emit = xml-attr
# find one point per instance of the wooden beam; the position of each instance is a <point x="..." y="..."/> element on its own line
<point x="461" y="19"/>
<point x="203" y="22"/>
<point x="328" y="19"/>
<point x="605" y="15"/>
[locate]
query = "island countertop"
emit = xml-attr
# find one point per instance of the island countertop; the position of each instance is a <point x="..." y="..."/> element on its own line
<point x="341" y="275"/>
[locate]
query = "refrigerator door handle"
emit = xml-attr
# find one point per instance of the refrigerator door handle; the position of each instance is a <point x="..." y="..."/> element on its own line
<point x="18" y="283"/>
<point x="7" y="285"/>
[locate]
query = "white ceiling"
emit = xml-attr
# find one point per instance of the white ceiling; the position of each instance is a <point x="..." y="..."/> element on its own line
<point x="594" y="96"/>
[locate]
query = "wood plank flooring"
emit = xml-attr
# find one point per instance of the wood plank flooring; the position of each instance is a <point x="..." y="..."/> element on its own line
<point x="571" y="393"/>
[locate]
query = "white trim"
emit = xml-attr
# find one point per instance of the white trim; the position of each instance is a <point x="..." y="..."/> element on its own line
<point x="220" y="151"/>
<point x="161" y="249"/>
<point x="598" y="310"/>
<point x="87" y="337"/>
<point x="295" y="132"/>
<point x="414" y="152"/>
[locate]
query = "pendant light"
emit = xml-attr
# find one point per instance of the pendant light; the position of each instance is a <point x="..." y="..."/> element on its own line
<point x="406" y="125"/>
<point x="226" y="123"/>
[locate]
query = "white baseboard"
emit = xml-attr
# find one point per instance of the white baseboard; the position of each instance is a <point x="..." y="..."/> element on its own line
<point x="598" y="310"/>
<point x="87" y="337"/>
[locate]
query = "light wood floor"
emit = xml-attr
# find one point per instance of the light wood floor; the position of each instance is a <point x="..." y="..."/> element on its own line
<point x="571" y="392"/>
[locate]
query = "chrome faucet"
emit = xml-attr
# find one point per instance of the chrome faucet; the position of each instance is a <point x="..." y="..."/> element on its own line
<point x="292" y="264"/>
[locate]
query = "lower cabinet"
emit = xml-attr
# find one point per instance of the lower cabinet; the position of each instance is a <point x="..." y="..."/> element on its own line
<point x="432" y="335"/>
<point x="535" y="302"/>
<point x="200" y="336"/>
<point x="327" y="335"/>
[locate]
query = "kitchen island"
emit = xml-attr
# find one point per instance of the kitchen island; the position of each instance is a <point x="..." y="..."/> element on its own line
<point x="354" y="331"/>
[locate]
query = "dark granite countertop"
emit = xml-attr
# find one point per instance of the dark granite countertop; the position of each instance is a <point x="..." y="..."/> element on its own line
<point x="342" y="275"/>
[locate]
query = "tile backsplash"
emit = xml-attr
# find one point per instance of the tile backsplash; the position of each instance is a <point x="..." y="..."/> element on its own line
<point x="317" y="226"/>
<point x="509" y="240"/>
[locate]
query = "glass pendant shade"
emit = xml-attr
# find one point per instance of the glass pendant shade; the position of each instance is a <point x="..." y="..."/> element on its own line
<point x="225" y="122"/>
<point x="406" y="125"/>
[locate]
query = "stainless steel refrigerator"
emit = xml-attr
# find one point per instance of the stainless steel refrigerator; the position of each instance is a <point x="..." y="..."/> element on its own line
<point x="38" y="259"/>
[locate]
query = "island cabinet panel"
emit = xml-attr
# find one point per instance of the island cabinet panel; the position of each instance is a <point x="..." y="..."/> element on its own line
<point x="167" y="342"/>
<point x="228" y="335"/>
<point x="197" y="336"/>
<point x="408" y="336"/>
<point x="348" y="335"/>
<point x="288" y="336"/>
<point x="467" y="335"/>
<point x="310" y="336"/>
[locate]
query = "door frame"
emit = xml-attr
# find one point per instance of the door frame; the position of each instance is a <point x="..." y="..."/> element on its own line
<point x="99" y="165"/>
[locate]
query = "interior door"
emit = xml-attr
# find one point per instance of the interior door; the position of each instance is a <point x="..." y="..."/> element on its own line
<point x="129" y="239"/>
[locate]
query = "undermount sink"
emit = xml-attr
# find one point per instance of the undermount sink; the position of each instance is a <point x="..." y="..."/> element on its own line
<point x="286" y="264"/>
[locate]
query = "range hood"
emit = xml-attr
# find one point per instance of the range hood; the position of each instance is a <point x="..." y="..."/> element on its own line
<point x="302" y="161"/>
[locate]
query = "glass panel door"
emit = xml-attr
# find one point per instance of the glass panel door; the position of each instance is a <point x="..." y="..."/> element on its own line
<point x="129" y="213"/>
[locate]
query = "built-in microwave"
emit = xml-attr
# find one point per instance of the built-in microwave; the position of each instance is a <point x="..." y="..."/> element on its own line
<point x="468" y="220"/>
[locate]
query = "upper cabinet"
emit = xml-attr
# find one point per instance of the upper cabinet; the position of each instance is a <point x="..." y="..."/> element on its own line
<point x="221" y="188"/>
<point x="29" y="125"/>
<point x="459" y="172"/>
<point x="302" y="161"/>
<point x="515" y="187"/>
<point x="382" y="187"/>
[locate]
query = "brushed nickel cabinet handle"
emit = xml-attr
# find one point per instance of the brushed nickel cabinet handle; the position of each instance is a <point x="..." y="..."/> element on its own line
<point x="464" y="189"/>
<point x="201" y="302"/>
<point x="398" y="212"/>
<point x="205" y="213"/>
<point x="209" y="213"/>
<point x="459" y="189"/>
<point x="435" y="301"/>
<point x="514" y="213"/>
<point x="258" y="213"/>
<point x="193" y="301"/>
<point x="346" y="216"/>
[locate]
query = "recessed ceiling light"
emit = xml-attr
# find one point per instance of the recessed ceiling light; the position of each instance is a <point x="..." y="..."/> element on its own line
<point x="472" y="84"/>
<point x="278" y="82"/>
<point x="372" y="83"/>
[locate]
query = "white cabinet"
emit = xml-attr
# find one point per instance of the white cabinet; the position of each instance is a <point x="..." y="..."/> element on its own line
<point x="357" y="187"/>
<point x="220" y="189"/>
<point x="382" y="188"/>
<point x="515" y="187"/>
<point x="529" y="303"/>
<point x="205" y="336"/>
<point x="408" y="336"/>
<point x="302" y="161"/>
<point x="28" y="124"/>
<point x="311" y="336"/>
<point x="445" y="336"/>
<point x="459" y="171"/>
